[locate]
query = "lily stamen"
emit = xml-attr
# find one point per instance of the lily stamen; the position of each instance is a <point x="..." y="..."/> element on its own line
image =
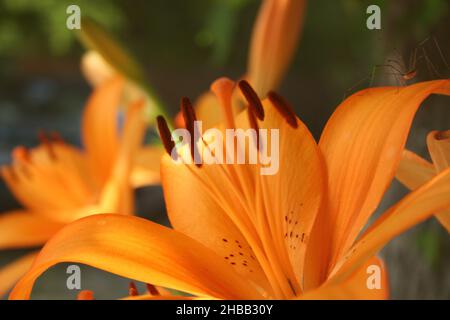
<point x="189" y="119"/>
<point x="443" y="135"/>
<point x="284" y="108"/>
<point x="165" y="135"/>
<point x="252" y="98"/>
<point x="42" y="136"/>
<point x="132" y="289"/>
<point x="56" y="137"/>
<point x="151" y="289"/>
<point x="21" y="154"/>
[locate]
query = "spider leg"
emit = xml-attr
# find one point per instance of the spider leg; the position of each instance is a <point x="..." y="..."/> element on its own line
<point x="399" y="60"/>
<point x="431" y="68"/>
<point x="440" y="52"/>
<point x="355" y="85"/>
<point x="398" y="74"/>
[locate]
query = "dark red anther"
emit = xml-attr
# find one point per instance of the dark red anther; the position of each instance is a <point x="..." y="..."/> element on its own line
<point x="56" y="137"/>
<point x="442" y="135"/>
<point x="252" y="98"/>
<point x="47" y="144"/>
<point x="152" y="290"/>
<point x="189" y="120"/>
<point x="132" y="289"/>
<point x="22" y="154"/>
<point x="166" y="136"/>
<point x="284" y="108"/>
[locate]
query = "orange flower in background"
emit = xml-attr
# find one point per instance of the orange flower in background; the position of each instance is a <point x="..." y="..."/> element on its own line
<point x="414" y="171"/>
<point x="57" y="183"/>
<point x="275" y="37"/>
<point x="274" y="40"/>
<point x="295" y="234"/>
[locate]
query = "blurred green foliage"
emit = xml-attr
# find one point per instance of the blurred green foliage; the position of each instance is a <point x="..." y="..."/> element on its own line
<point x="208" y="24"/>
<point x="24" y="23"/>
<point x="429" y="243"/>
<point x="195" y="25"/>
<point x="220" y="26"/>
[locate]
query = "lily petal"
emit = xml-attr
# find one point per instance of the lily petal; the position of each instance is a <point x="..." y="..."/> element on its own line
<point x="300" y="183"/>
<point x="414" y="171"/>
<point x="117" y="195"/>
<point x="274" y="40"/>
<point x="21" y="228"/>
<point x="356" y="286"/>
<point x="362" y="144"/>
<point x="141" y="250"/>
<point x="100" y="127"/>
<point x="208" y="220"/>
<point x="12" y="272"/>
<point x="146" y="166"/>
<point x="58" y="168"/>
<point x="439" y="147"/>
<point x="95" y="69"/>
<point x="420" y="204"/>
<point x="281" y="227"/>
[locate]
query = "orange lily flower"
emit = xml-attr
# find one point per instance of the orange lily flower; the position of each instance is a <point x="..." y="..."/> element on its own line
<point x="241" y="235"/>
<point x="57" y="183"/>
<point x="414" y="171"/>
<point x="146" y="160"/>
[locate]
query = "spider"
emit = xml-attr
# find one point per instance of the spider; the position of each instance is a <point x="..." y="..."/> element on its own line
<point x="405" y="73"/>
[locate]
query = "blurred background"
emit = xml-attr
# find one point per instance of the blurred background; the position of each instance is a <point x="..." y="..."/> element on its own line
<point x="184" y="46"/>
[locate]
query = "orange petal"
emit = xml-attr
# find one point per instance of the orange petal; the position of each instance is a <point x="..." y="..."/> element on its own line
<point x="232" y="208"/>
<point x="300" y="183"/>
<point x="358" y="286"/>
<point x="432" y="197"/>
<point x="100" y="126"/>
<point x="146" y="166"/>
<point x="208" y="110"/>
<point x="138" y="249"/>
<point x="274" y="40"/>
<point x="12" y="272"/>
<point x="117" y="195"/>
<point x="216" y="216"/>
<point x="439" y="147"/>
<point x="56" y="167"/>
<point x="95" y="69"/>
<point x="194" y="209"/>
<point x="363" y="143"/>
<point x="414" y="171"/>
<point x="20" y="228"/>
